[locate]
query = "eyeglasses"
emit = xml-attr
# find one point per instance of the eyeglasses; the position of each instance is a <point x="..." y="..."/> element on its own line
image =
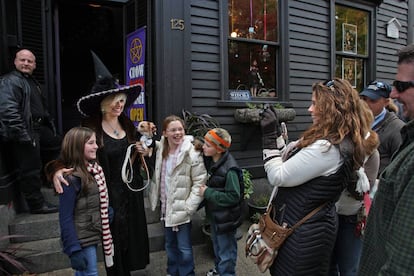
<point x="401" y="86"/>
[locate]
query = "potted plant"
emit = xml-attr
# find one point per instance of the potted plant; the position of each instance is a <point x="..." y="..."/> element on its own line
<point x="248" y="184"/>
<point x="257" y="205"/>
<point x="197" y="125"/>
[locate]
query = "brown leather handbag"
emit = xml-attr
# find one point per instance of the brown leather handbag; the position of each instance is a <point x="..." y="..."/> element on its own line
<point x="266" y="237"/>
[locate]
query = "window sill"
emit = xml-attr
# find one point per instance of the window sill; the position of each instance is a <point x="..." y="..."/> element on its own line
<point x="243" y="104"/>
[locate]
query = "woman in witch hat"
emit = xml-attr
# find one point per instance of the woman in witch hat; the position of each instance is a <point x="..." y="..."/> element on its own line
<point x="103" y="111"/>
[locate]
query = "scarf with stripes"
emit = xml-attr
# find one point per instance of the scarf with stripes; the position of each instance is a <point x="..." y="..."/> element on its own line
<point x="108" y="246"/>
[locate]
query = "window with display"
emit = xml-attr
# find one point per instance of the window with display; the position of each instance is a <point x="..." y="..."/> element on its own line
<point x="252" y="48"/>
<point x="352" y="52"/>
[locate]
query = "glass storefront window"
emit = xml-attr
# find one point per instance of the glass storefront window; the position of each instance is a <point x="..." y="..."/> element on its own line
<point x="351" y="69"/>
<point x="252" y="46"/>
<point x="351" y="36"/>
<point x="252" y="67"/>
<point x="253" y="19"/>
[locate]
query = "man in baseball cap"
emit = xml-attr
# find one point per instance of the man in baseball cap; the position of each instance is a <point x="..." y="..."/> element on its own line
<point x="386" y="123"/>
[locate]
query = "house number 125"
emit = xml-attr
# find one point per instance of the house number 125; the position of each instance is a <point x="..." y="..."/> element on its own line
<point x="177" y="24"/>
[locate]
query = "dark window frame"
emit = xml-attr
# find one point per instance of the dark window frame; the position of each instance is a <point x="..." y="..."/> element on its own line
<point x="370" y="58"/>
<point x="281" y="71"/>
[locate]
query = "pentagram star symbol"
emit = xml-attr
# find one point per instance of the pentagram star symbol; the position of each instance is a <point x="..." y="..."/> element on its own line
<point x="135" y="51"/>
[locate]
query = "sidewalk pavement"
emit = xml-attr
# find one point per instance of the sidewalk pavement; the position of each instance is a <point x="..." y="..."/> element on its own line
<point x="203" y="258"/>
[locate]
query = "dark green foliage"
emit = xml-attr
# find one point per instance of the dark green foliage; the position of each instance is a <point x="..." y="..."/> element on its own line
<point x="197" y="125"/>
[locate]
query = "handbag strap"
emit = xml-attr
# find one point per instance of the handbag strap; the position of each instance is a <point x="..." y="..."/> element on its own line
<point x="308" y="216"/>
<point x="274" y="193"/>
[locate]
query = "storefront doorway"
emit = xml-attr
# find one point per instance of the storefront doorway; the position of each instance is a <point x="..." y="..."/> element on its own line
<point x="84" y="27"/>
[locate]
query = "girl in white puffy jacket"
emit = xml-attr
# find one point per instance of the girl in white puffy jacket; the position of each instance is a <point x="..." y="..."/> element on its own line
<point x="179" y="174"/>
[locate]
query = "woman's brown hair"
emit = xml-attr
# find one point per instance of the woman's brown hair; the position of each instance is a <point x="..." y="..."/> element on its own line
<point x="341" y="113"/>
<point x="72" y="151"/>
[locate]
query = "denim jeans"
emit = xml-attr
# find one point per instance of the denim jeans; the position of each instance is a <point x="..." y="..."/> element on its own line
<point x="92" y="269"/>
<point x="179" y="251"/>
<point x="225" y="251"/>
<point x="347" y="251"/>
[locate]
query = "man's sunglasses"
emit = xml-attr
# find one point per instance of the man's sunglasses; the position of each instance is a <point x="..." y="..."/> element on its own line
<point x="401" y="86"/>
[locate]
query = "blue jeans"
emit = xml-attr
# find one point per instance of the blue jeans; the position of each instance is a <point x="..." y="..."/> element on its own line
<point x="179" y="251"/>
<point x="347" y="251"/>
<point x="225" y="251"/>
<point x="91" y="269"/>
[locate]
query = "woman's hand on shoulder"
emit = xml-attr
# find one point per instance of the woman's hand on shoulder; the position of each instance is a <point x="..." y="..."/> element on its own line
<point x="58" y="179"/>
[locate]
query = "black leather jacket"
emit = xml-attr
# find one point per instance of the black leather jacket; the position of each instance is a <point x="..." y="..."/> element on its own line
<point x="15" y="114"/>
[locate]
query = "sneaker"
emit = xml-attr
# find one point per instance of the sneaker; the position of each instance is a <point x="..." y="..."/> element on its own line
<point x="212" y="272"/>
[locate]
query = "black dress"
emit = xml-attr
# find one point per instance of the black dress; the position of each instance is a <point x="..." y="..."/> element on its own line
<point x="129" y="227"/>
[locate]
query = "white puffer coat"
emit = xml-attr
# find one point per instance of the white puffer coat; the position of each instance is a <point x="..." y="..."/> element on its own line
<point x="187" y="177"/>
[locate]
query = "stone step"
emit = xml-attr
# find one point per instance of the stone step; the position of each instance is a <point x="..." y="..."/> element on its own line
<point x="44" y="251"/>
<point x="34" y="227"/>
<point x="50" y="195"/>
<point x="42" y="255"/>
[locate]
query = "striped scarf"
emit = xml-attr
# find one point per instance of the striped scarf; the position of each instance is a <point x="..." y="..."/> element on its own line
<point x="99" y="176"/>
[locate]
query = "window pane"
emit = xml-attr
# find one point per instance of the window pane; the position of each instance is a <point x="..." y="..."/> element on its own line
<point x="252" y="67"/>
<point x="351" y="69"/>
<point x="351" y="30"/>
<point x="253" y="19"/>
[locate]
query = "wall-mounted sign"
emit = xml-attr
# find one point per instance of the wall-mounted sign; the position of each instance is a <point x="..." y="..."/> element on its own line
<point x="239" y="95"/>
<point x="135" y="64"/>
<point x="393" y="28"/>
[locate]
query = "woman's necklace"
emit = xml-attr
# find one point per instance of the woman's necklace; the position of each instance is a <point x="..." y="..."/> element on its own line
<point x="115" y="132"/>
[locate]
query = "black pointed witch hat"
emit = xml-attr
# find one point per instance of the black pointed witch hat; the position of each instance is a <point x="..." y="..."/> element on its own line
<point x="104" y="86"/>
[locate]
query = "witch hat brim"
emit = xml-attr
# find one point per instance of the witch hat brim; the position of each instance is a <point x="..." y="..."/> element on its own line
<point x="105" y="85"/>
<point x="91" y="104"/>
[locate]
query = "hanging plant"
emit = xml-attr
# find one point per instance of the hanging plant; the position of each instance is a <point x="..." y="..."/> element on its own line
<point x="251" y="114"/>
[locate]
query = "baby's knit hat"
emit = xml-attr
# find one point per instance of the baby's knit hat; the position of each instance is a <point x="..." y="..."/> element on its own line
<point x="219" y="138"/>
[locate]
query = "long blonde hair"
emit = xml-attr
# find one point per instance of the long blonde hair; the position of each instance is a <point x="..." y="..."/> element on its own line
<point x="341" y="113"/>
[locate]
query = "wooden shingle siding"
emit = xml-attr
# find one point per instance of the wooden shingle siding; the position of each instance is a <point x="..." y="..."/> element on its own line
<point x="310" y="53"/>
<point x="386" y="48"/>
<point x="207" y="77"/>
<point x="309" y="56"/>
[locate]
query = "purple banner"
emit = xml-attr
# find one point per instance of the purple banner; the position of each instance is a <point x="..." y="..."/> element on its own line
<point x="135" y="64"/>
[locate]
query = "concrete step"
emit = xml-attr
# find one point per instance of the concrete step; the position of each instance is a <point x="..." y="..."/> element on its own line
<point x="50" y="195"/>
<point x="41" y="244"/>
<point x="34" y="227"/>
<point x="42" y="255"/>
<point x="203" y="259"/>
<point x="151" y="216"/>
<point x="45" y="255"/>
<point x="156" y="232"/>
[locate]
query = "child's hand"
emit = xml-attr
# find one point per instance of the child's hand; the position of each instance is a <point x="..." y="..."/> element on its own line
<point x="202" y="189"/>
